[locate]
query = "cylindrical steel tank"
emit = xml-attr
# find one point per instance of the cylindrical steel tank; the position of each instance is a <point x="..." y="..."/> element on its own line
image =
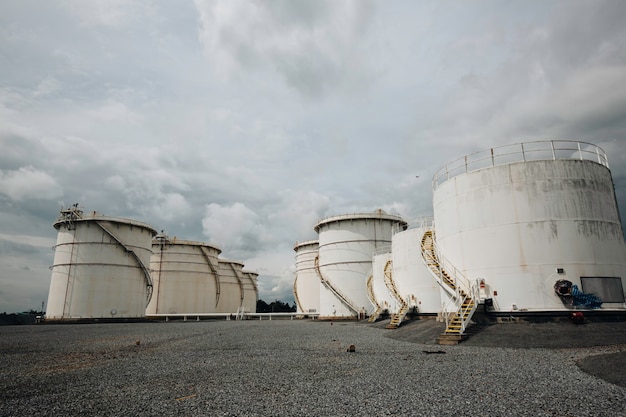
<point x="250" y="291"/>
<point x="100" y="267"/>
<point x="383" y="295"/>
<point x="346" y="245"/>
<point x="185" y="276"/>
<point x="307" y="283"/>
<point x="527" y="216"/>
<point x="412" y="277"/>
<point x="232" y="290"/>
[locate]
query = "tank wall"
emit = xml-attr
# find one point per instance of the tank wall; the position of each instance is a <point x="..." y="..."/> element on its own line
<point x="250" y="291"/>
<point x="345" y="259"/>
<point x="383" y="296"/>
<point x="183" y="280"/>
<point x="230" y="287"/>
<point x="413" y="278"/>
<point x="514" y="225"/>
<point x="93" y="276"/>
<point x="307" y="282"/>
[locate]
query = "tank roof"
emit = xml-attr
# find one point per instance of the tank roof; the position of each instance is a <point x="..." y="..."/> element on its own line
<point x="230" y="261"/>
<point x="375" y="215"/>
<point x="74" y="215"/>
<point x="175" y="241"/>
<point x="298" y="245"/>
<point x="520" y="153"/>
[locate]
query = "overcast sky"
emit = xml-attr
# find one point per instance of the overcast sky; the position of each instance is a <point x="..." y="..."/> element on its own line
<point x="243" y="123"/>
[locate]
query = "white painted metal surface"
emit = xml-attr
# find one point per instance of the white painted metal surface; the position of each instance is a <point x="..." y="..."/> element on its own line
<point x="250" y="291"/>
<point x="521" y="226"/>
<point x="383" y="296"/>
<point x="346" y="245"/>
<point x="231" y="286"/>
<point x="100" y="267"/>
<point x="185" y="276"/>
<point x="307" y="283"/>
<point x="413" y="279"/>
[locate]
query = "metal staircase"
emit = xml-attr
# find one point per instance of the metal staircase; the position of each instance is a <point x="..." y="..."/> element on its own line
<point x="463" y="294"/>
<point x="146" y="272"/>
<point x="295" y="294"/>
<point x="342" y="297"/>
<point x="209" y="261"/>
<point x="396" y="318"/>
<point x="240" y="282"/>
<point x="370" y="294"/>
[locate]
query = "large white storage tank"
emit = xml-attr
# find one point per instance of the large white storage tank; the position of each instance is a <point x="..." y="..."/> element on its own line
<point x="306" y="286"/>
<point x="100" y="267"/>
<point x="346" y="245"/>
<point x="250" y="291"/>
<point x="185" y="277"/>
<point x="413" y="279"/>
<point x="527" y="216"/>
<point x="231" y="286"/>
<point x="383" y="297"/>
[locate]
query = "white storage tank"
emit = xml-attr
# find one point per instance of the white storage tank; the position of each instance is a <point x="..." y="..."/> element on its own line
<point x="250" y="291"/>
<point x="413" y="279"/>
<point x="383" y="296"/>
<point x="100" y="267"/>
<point x="306" y="287"/>
<point x="346" y="245"/>
<point x="185" y="276"/>
<point x="529" y="216"/>
<point x="231" y="286"/>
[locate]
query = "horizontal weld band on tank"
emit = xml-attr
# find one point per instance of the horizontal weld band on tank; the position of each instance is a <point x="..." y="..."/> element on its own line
<point x="381" y="241"/>
<point x="312" y="268"/>
<point x="96" y="264"/>
<point x="96" y="243"/>
<point x="165" y="262"/>
<point x="345" y="263"/>
<point x="182" y="271"/>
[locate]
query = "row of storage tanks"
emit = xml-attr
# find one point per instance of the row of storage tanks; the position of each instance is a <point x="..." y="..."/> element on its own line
<point x="518" y="223"/>
<point x="115" y="268"/>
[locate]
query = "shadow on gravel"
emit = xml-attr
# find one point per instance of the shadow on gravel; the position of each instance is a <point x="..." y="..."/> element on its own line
<point x="524" y="335"/>
<point x="609" y="367"/>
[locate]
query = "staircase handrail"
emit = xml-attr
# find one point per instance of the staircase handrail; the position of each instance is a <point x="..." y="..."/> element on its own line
<point x="344" y="299"/>
<point x="295" y="294"/>
<point x="372" y="297"/>
<point x="207" y="257"/>
<point x="463" y="288"/>
<point x="391" y="285"/>
<point x="240" y="282"/>
<point x="461" y="281"/>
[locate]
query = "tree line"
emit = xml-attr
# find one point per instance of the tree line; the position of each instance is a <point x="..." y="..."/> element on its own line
<point x="274" y="307"/>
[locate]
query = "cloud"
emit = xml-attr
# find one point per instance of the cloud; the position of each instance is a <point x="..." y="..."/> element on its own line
<point x="236" y="229"/>
<point x="29" y="183"/>
<point x="313" y="45"/>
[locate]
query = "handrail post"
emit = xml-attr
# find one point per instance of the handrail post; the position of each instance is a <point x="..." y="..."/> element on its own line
<point x="580" y="152"/>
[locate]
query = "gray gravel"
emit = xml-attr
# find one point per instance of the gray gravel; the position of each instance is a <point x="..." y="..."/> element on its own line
<point x="284" y="368"/>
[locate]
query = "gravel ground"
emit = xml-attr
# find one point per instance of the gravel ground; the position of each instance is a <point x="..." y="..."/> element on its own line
<point x="289" y="368"/>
